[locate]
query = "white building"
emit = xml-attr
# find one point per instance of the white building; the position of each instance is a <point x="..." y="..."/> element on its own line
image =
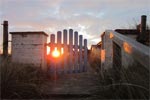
<point x="29" y="48"/>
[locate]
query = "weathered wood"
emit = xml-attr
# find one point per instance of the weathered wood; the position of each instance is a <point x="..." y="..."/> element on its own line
<point x="85" y="55"/>
<point x="52" y="41"/>
<point x="131" y="50"/>
<point x="80" y="53"/>
<point x="59" y="41"/>
<point x="65" y="49"/>
<point x="143" y="24"/>
<point x="62" y="45"/>
<point x="70" y="50"/>
<point x="59" y="65"/>
<point x="76" y="51"/>
<point x="72" y="59"/>
<point x="52" y="48"/>
<point x="5" y="38"/>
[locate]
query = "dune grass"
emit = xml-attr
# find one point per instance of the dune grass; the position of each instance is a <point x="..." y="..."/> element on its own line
<point x="24" y="82"/>
<point x="133" y="84"/>
<point x="20" y="81"/>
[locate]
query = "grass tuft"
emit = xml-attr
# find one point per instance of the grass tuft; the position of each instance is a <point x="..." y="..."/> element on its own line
<point x="133" y="83"/>
<point x="20" y="81"/>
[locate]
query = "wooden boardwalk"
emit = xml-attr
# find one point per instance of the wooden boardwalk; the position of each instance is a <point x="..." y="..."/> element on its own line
<point x="79" y="86"/>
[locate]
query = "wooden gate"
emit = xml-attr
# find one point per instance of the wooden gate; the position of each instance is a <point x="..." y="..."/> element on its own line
<point x="71" y="54"/>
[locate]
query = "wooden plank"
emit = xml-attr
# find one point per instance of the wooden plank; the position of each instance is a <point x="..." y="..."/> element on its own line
<point x="76" y="67"/>
<point x="65" y="49"/>
<point x="52" y="48"/>
<point x="59" y="65"/>
<point x="70" y="50"/>
<point x="80" y="53"/>
<point x="85" y="55"/>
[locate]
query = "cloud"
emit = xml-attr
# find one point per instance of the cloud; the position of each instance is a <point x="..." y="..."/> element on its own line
<point x="88" y="17"/>
<point x="96" y="40"/>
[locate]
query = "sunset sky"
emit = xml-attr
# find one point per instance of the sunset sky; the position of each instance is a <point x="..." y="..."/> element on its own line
<point x="88" y="17"/>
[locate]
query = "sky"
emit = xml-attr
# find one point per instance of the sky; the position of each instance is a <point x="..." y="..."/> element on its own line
<point x="89" y="17"/>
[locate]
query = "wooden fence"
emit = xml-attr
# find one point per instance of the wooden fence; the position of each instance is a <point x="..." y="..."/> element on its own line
<point x="125" y="53"/>
<point x="73" y="52"/>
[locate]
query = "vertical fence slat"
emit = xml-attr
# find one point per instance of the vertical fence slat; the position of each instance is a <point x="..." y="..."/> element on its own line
<point x="65" y="49"/>
<point x="59" y="67"/>
<point x="85" y="55"/>
<point x="80" y="53"/>
<point x="52" y="48"/>
<point x="76" y="51"/>
<point x="70" y="50"/>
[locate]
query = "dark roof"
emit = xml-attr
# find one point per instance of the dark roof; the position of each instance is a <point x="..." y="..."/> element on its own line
<point x="95" y="46"/>
<point x="30" y="32"/>
<point x="142" y="38"/>
<point x="128" y="31"/>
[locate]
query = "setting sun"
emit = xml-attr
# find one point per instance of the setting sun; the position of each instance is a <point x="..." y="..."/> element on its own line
<point x="56" y="53"/>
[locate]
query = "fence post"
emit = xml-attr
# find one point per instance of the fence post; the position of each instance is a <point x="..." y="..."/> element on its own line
<point x="5" y="38"/>
<point x="52" y="48"/>
<point x="65" y="49"/>
<point x="85" y="55"/>
<point x="80" y="54"/>
<point x="59" y="65"/>
<point x="76" y="51"/>
<point x="70" y="50"/>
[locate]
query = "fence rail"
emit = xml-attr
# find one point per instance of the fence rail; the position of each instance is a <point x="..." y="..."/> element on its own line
<point x="130" y="49"/>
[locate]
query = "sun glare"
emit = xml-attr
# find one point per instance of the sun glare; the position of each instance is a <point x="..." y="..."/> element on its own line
<point x="56" y="53"/>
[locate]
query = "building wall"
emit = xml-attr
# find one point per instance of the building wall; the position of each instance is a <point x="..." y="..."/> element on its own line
<point x="95" y="52"/>
<point x="29" y="49"/>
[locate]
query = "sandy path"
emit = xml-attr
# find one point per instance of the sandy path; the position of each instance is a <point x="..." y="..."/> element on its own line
<point x="79" y="86"/>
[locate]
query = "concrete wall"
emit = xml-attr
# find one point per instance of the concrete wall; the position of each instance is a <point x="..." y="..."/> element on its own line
<point x="131" y="50"/>
<point x="29" y="49"/>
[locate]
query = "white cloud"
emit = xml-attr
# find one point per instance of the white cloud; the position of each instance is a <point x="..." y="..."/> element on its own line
<point x="96" y="40"/>
<point x="88" y="17"/>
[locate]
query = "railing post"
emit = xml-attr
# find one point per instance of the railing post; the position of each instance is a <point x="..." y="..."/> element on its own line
<point x="76" y="51"/>
<point x="80" y="54"/>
